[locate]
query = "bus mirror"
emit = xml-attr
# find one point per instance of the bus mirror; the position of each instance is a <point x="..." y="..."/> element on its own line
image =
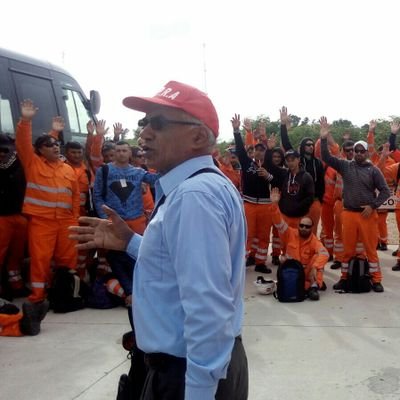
<point x="95" y="101"/>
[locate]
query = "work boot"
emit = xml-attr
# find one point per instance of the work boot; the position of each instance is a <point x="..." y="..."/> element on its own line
<point x="128" y="341"/>
<point x="313" y="293"/>
<point x="42" y="309"/>
<point x="336" y="265"/>
<point x="341" y="285"/>
<point x="275" y="260"/>
<point x="397" y="266"/>
<point x="30" y="322"/>
<point x="377" y="287"/>
<point x="263" y="269"/>
<point x="250" y="261"/>
<point x="394" y="254"/>
<point x="383" y="247"/>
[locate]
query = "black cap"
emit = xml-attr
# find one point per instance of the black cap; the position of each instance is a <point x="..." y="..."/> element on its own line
<point x="292" y="153"/>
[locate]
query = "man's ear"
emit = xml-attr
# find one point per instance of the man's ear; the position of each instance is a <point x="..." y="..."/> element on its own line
<point x="200" y="137"/>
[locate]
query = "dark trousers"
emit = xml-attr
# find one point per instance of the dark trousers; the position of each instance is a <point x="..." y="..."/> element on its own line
<point x="122" y="266"/>
<point x="166" y="377"/>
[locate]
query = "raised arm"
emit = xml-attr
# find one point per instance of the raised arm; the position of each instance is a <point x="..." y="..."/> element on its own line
<point x="57" y="126"/>
<point x="394" y="130"/>
<point x="23" y="141"/>
<point x="285" y="123"/>
<point x="333" y="162"/>
<point x="244" y="159"/>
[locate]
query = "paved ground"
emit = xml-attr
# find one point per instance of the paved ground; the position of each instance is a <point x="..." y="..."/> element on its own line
<point x="343" y="347"/>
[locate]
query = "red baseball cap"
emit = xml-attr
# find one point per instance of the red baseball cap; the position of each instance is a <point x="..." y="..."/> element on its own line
<point x="179" y="95"/>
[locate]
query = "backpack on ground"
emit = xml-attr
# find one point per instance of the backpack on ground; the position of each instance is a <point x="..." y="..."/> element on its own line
<point x="358" y="278"/>
<point x="291" y="280"/>
<point x="68" y="291"/>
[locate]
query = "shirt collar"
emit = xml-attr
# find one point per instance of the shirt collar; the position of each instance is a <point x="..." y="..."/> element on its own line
<point x="177" y="175"/>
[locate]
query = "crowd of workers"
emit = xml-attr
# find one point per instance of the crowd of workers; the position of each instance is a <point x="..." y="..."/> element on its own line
<point x="326" y="189"/>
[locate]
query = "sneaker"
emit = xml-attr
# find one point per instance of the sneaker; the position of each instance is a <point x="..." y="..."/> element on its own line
<point x="377" y="287"/>
<point x="263" y="269"/>
<point x="341" y="285"/>
<point x="275" y="260"/>
<point x="250" y="261"/>
<point x="336" y="265"/>
<point x="313" y="293"/>
<point x="397" y="266"/>
<point x="383" y="247"/>
<point x="30" y="322"/>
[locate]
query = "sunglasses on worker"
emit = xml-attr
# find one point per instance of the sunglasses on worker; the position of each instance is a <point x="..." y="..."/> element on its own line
<point x="305" y="226"/>
<point x="51" y="144"/>
<point x="158" y="122"/>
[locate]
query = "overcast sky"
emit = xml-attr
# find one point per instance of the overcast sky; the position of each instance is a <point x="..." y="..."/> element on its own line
<point x="334" y="57"/>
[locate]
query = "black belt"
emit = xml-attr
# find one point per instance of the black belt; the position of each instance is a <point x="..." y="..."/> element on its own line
<point x="159" y="361"/>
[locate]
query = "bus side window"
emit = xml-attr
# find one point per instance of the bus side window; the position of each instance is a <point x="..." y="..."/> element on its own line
<point x="6" y="120"/>
<point x="78" y="115"/>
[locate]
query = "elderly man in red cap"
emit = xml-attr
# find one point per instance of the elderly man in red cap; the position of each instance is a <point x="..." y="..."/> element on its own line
<point x="189" y="275"/>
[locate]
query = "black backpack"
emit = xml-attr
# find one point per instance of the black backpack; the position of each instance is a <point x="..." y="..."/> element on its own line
<point x="68" y="292"/>
<point x="358" y="278"/>
<point x="291" y="279"/>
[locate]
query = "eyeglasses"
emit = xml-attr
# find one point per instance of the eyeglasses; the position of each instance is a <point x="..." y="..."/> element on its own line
<point x="348" y="150"/>
<point x="305" y="226"/>
<point x="360" y="151"/>
<point x="5" y="150"/>
<point x="51" y="144"/>
<point x="158" y="122"/>
<point x="309" y="144"/>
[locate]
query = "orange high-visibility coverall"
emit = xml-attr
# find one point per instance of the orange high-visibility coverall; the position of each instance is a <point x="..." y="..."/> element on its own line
<point x="390" y="173"/>
<point x="13" y="235"/>
<point x="52" y="205"/>
<point x="382" y="214"/>
<point x="327" y="210"/>
<point x="310" y="251"/>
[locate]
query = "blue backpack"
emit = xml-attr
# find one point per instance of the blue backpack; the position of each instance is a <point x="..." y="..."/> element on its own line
<point x="291" y="279"/>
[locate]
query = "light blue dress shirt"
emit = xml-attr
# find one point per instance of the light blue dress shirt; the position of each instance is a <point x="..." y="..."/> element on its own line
<point x="189" y="277"/>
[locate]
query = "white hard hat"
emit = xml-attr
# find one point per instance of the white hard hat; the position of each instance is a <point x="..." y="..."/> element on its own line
<point x="263" y="286"/>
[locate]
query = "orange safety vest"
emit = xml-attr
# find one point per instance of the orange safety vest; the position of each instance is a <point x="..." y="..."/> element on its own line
<point x="51" y="188"/>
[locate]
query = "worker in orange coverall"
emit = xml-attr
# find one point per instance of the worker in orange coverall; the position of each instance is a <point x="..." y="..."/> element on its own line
<point x="302" y="245"/>
<point x="374" y="155"/>
<point x="361" y="181"/>
<point x="51" y="203"/>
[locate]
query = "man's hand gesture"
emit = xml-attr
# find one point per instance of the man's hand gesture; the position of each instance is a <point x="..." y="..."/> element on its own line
<point x="275" y="195"/>
<point x="235" y="122"/>
<point x="324" y="127"/>
<point x="101" y="127"/>
<point x="285" y="118"/>
<point x="90" y="127"/>
<point x="112" y="233"/>
<point x="372" y="125"/>
<point x="58" y="124"/>
<point x="394" y="127"/>
<point x="118" y="130"/>
<point x="247" y="124"/>
<point x="28" y="110"/>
